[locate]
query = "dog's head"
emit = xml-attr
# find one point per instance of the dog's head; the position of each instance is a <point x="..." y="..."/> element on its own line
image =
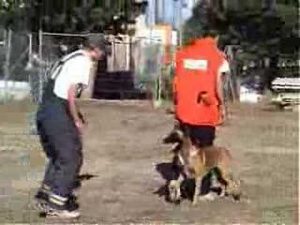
<point x="175" y="136"/>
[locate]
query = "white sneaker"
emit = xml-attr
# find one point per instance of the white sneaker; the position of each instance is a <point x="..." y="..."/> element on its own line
<point x="63" y="214"/>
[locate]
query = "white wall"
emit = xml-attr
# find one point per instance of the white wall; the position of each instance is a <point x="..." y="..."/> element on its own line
<point x="15" y="90"/>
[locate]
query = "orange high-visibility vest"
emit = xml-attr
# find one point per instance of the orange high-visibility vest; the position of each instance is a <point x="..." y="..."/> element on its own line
<point x="195" y="83"/>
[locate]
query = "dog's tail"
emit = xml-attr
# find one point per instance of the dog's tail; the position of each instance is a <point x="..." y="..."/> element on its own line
<point x="232" y="160"/>
<point x="228" y="158"/>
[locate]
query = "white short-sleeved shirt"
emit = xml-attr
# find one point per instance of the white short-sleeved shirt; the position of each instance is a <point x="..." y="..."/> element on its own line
<point x="74" y="71"/>
<point x="224" y="68"/>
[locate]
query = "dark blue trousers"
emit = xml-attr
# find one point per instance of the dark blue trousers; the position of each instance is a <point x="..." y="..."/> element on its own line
<point x="201" y="135"/>
<point x="62" y="145"/>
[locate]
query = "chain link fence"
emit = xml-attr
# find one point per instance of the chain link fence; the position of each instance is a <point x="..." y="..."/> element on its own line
<point x="27" y="57"/>
<point x="14" y="53"/>
<point x="52" y="46"/>
<point x="145" y="61"/>
<point x="153" y="67"/>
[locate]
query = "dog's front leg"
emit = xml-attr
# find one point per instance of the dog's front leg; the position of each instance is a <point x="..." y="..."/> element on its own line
<point x="174" y="189"/>
<point x="179" y="182"/>
<point x="198" y="182"/>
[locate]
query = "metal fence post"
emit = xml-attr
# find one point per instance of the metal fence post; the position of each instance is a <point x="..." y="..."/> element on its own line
<point x="40" y="75"/>
<point x="7" y="63"/>
<point x="30" y="48"/>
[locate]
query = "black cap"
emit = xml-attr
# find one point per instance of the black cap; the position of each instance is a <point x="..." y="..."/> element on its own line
<point x="97" y="41"/>
<point x="211" y="32"/>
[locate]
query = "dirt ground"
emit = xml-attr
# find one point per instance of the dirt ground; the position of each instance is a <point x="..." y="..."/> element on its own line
<point x="124" y="154"/>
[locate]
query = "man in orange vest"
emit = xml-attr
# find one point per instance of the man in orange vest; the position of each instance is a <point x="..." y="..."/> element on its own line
<point x="198" y="94"/>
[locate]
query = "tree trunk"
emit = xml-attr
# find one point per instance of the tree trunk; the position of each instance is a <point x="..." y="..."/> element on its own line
<point x="269" y="5"/>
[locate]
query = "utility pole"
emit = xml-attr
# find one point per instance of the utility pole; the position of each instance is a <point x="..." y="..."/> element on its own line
<point x="180" y="22"/>
<point x="156" y="10"/>
<point x="174" y="10"/>
<point x="176" y="18"/>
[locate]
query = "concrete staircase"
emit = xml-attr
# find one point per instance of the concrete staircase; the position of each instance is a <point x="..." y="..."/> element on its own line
<point x="116" y="85"/>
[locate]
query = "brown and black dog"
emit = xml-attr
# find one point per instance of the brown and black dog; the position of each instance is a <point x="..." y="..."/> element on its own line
<point x="197" y="162"/>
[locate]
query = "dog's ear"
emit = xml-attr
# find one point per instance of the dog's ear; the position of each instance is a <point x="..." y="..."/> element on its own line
<point x="176" y="125"/>
<point x="175" y="136"/>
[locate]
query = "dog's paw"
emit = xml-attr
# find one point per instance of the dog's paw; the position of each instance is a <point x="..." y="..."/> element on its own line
<point x="236" y="197"/>
<point x="211" y="196"/>
<point x="195" y="201"/>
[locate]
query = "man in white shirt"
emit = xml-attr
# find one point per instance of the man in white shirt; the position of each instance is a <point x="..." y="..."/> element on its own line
<point x="60" y="125"/>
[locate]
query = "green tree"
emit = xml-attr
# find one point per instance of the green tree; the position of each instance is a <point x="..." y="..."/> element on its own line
<point x="65" y="15"/>
<point x="13" y="14"/>
<point x="262" y="29"/>
<point x="71" y="16"/>
<point x="257" y="27"/>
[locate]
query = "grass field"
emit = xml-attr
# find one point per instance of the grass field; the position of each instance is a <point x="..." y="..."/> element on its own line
<point x="122" y="148"/>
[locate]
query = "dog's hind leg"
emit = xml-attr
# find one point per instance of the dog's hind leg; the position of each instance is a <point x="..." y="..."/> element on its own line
<point x="233" y="186"/>
<point x="218" y="182"/>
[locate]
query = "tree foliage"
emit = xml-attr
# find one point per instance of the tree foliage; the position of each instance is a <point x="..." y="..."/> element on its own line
<point x="65" y="15"/>
<point x="260" y="29"/>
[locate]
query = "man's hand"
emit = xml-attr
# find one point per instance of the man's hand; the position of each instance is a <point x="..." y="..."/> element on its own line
<point x="222" y="111"/>
<point x="82" y="118"/>
<point x="78" y="118"/>
<point x="80" y="126"/>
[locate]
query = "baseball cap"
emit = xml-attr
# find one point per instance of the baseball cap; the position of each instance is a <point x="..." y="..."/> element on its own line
<point x="98" y="41"/>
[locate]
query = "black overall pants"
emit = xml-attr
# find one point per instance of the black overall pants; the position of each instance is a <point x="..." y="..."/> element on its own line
<point x="61" y="142"/>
